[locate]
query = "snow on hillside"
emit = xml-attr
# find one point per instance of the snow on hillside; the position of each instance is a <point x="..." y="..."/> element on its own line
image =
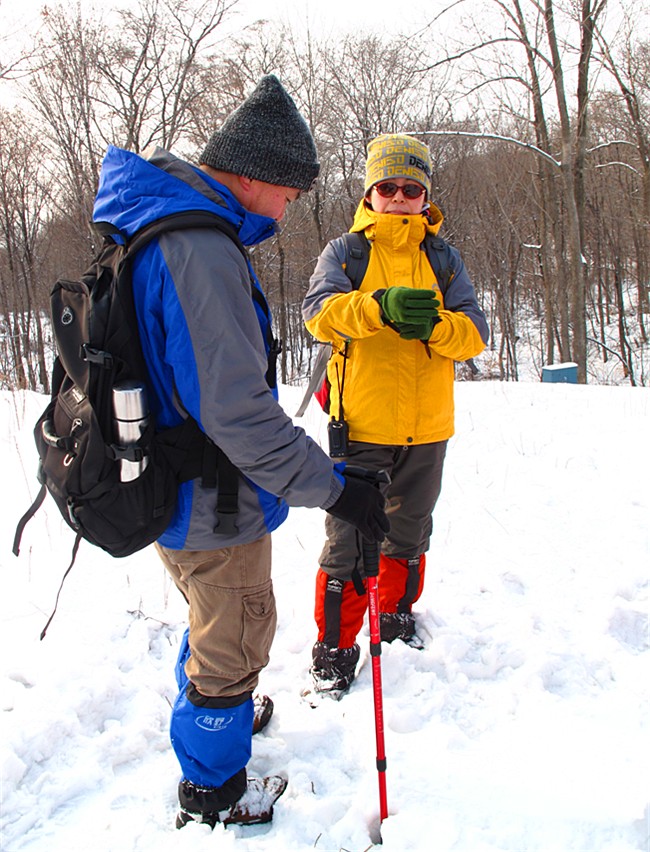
<point x="522" y="725"/>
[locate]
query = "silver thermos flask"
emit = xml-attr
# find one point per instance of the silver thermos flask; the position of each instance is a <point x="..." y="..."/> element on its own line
<point x="131" y="418"/>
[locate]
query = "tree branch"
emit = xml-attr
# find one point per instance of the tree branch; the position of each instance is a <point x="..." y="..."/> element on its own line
<point x="495" y="136"/>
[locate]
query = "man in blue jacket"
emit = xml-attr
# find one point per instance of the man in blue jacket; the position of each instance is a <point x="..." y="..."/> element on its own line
<point x="207" y="341"/>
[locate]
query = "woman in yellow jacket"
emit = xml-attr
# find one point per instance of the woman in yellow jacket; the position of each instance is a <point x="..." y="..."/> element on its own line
<point x="395" y="340"/>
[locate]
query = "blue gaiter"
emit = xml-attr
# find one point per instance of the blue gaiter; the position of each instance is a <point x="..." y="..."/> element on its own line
<point x="211" y="743"/>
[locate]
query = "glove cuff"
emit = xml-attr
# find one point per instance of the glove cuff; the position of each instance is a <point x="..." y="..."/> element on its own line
<point x="378" y="295"/>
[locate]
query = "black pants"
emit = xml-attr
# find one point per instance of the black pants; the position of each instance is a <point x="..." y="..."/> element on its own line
<point x="416" y="480"/>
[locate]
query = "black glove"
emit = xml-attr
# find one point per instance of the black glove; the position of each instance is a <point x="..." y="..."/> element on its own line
<point x="408" y="305"/>
<point x="362" y="505"/>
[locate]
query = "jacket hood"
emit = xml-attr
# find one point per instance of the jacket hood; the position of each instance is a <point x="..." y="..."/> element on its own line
<point x="365" y="217"/>
<point x="135" y="189"/>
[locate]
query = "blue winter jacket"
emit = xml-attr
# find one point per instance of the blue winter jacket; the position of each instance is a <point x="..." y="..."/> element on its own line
<point x="205" y="344"/>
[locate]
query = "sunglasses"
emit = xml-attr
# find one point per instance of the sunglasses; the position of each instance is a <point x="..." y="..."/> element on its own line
<point x="389" y="189"/>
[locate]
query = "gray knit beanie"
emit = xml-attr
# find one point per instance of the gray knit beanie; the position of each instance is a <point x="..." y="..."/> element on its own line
<point x="267" y="139"/>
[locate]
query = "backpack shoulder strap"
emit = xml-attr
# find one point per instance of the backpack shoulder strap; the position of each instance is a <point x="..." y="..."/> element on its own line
<point x="439" y="256"/>
<point x="174" y="222"/>
<point x="357" y="253"/>
<point x="213" y="459"/>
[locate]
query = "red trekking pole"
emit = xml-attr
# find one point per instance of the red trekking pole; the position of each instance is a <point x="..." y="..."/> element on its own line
<point x="371" y="570"/>
<point x="370" y="552"/>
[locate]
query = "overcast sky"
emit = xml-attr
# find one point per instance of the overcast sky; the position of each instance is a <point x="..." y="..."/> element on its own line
<point x="322" y="15"/>
<point x="345" y="15"/>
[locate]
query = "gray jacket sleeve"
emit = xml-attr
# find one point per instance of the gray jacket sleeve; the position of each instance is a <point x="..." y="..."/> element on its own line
<point x="219" y="364"/>
<point x="327" y="279"/>
<point x="460" y="296"/>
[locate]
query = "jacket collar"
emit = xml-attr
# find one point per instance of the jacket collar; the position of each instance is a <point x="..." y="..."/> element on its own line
<point x="368" y="220"/>
<point x="137" y="189"/>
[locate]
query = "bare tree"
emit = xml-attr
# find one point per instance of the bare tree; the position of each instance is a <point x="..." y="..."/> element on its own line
<point x="150" y="70"/>
<point x="17" y="51"/>
<point x="539" y="173"/>
<point x="631" y="72"/>
<point x="24" y="193"/>
<point x="62" y="93"/>
<point x="532" y="26"/>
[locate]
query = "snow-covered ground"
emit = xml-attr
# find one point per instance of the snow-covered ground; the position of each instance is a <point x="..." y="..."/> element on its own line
<point x="522" y="725"/>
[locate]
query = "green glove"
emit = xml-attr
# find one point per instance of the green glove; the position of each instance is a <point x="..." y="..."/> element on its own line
<point x="409" y="305"/>
<point x="416" y="331"/>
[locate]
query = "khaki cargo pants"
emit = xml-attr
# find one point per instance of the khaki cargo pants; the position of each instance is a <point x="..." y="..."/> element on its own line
<point x="232" y="614"/>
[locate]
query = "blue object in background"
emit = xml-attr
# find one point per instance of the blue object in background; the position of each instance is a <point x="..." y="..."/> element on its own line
<point x="567" y="373"/>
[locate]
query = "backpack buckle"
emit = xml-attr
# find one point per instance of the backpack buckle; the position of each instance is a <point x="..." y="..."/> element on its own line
<point x="96" y="356"/>
<point x="226" y="523"/>
<point x="71" y="513"/>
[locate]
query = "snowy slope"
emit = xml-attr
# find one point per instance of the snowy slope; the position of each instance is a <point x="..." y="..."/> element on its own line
<point x="522" y="725"/>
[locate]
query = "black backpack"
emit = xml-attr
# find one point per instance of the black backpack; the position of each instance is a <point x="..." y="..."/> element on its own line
<point x="80" y="454"/>
<point x="357" y="255"/>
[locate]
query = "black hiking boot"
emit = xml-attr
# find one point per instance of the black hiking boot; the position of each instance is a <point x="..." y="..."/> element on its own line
<point x="398" y="625"/>
<point x="253" y="808"/>
<point x="333" y="669"/>
<point x="262" y="712"/>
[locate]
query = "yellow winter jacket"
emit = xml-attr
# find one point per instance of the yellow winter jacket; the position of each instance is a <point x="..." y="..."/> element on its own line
<point x="395" y="391"/>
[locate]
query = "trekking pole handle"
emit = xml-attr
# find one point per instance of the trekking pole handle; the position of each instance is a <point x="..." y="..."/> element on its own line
<point x="375" y="477"/>
<point x="370" y="552"/>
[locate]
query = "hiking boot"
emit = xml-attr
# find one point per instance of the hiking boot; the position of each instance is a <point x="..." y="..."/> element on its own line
<point x="398" y="625"/>
<point x="333" y="669"/>
<point x="254" y="807"/>
<point x="262" y="712"/>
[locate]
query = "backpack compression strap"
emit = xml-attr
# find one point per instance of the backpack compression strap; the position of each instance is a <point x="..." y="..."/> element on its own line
<point x="29" y="514"/>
